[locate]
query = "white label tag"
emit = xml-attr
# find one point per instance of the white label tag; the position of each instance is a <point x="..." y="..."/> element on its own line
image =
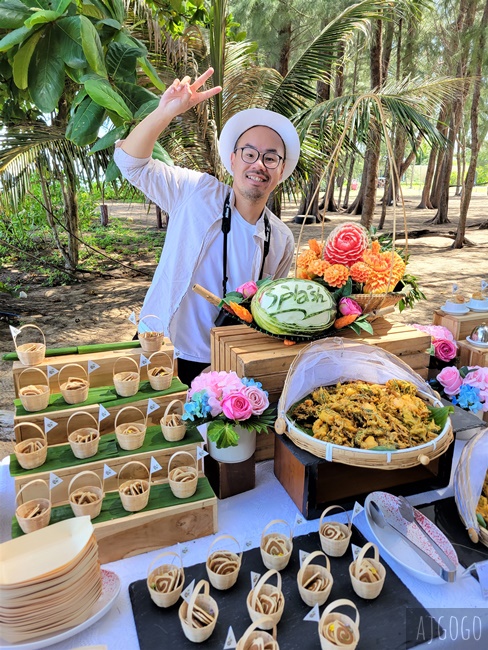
<point x="155" y="466"/>
<point x="188" y="591"/>
<point x="230" y="641"/>
<point x="254" y="579"/>
<point x="143" y="361"/>
<point x="54" y="480"/>
<point x="51" y="371"/>
<point x="454" y="288"/>
<point x="14" y="331"/>
<point x="152" y="406"/>
<point x="92" y="366"/>
<point x="132" y="318"/>
<point x="484" y="285"/>
<point x="302" y="555"/>
<point x="108" y="472"/>
<point x="49" y="424"/>
<point x="355" y="551"/>
<point x="313" y="615"/>
<point x="298" y="520"/>
<point x="357" y="509"/>
<point x="102" y="413"/>
<point x="482" y="570"/>
<point x="201" y="453"/>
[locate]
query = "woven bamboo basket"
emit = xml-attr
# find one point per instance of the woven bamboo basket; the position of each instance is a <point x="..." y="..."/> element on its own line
<point x="126" y="383"/>
<point x="253" y="637"/>
<point x="183" y="480"/>
<point x="171" y="580"/>
<point x="133" y="502"/>
<point x="336" y="629"/>
<point x="361" y="570"/>
<point x="32" y="452"/>
<point x="151" y="340"/>
<point x="74" y="394"/>
<point x="314" y="574"/>
<point x="83" y="441"/>
<point x="370" y="302"/>
<point x="172" y="424"/>
<point x="34" y="397"/>
<point x="86" y="500"/>
<point x="160" y="381"/>
<point x="130" y="435"/>
<point x="274" y="593"/>
<point x="276" y="547"/>
<point x="334" y="536"/>
<point x="28" y="521"/>
<point x="31" y="354"/>
<point x="468" y="481"/>
<point x="199" y="600"/>
<point x="329" y="361"/>
<point x="223" y="566"/>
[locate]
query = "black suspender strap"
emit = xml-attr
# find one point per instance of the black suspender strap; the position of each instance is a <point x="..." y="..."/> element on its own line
<point x="267" y="238"/>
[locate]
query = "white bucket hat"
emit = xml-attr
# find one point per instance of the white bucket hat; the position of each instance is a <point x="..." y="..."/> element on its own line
<point x="245" y="120"/>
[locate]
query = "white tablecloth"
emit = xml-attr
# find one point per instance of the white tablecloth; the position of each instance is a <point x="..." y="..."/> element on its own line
<point x="244" y="516"/>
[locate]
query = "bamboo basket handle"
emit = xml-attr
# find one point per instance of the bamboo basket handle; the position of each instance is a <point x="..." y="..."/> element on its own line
<point x="132" y="462"/>
<point x="208" y="295"/>
<point x="191" y="603"/>
<point x="127" y="408"/>
<point x="225" y="537"/>
<point x="364" y="550"/>
<point x="161" y="555"/>
<point x="312" y="556"/>
<point x="177" y="402"/>
<point x="70" y="365"/>
<point x="30" y="325"/>
<point x="129" y="359"/>
<point x="29" y="424"/>
<point x="349" y="522"/>
<point x="36" y="480"/>
<point x="82" y="413"/>
<point x="150" y="316"/>
<point x="255" y="626"/>
<point x="276" y="521"/>
<point x="269" y="574"/>
<point x="38" y="370"/>
<point x="179" y="453"/>
<point x="339" y="603"/>
<point x="77" y="476"/>
<point x="171" y="359"/>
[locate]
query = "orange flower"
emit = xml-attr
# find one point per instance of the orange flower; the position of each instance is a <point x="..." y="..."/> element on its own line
<point x="304" y="275"/>
<point x="336" y="275"/>
<point x="360" y="272"/>
<point x="305" y="258"/>
<point x="241" y="312"/>
<point x="344" y="321"/>
<point x="314" y="246"/>
<point x="318" y="267"/>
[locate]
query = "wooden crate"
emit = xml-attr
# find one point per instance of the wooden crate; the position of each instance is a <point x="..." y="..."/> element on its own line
<point x="460" y="326"/>
<point x="471" y="355"/>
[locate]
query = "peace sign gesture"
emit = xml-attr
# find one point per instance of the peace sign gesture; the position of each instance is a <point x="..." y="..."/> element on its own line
<point x="182" y="95"/>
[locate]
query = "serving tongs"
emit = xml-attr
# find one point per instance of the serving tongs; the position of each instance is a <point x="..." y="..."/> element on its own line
<point x="448" y="575"/>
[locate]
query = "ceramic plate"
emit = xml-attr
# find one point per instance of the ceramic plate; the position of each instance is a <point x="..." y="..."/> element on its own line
<point x="479" y="344"/>
<point x="399" y="550"/>
<point x="481" y="311"/>
<point x="446" y="310"/>
<point x="110" y="591"/>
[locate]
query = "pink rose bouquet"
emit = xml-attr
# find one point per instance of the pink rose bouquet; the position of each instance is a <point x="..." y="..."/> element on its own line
<point x="222" y="399"/>
<point x="443" y="345"/>
<point x="466" y="387"/>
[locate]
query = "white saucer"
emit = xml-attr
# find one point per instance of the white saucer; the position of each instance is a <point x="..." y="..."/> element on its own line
<point x="481" y="311"/>
<point x="455" y="312"/>
<point x="477" y="343"/>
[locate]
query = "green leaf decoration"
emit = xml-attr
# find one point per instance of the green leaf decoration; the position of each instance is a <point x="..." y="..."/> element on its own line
<point x="110" y="22"/>
<point x="109" y="139"/>
<point x="117" y="9"/>
<point x="84" y="125"/>
<point x="46" y="73"/>
<point x="92" y="47"/>
<point x="121" y="61"/>
<point x="440" y="414"/>
<point x="22" y="60"/>
<point x="384" y="448"/>
<point x="70" y="49"/>
<point x="42" y="17"/>
<point x="102" y="93"/>
<point x="146" y="109"/>
<point x="151" y="72"/>
<point x="363" y="324"/>
<point x="222" y="434"/>
<point x="112" y="172"/>
<point x="481" y="520"/>
<point x="14" y="38"/>
<point x="91" y="11"/>
<point x="13" y="14"/>
<point x="60" y="5"/>
<point x="161" y="154"/>
<point x="134" y="96"/>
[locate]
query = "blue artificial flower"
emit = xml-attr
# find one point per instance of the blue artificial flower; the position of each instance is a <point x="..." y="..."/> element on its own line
<point x="251" y="382"/>
<point x="468" y="398"/>
<point x="197" y="407"/>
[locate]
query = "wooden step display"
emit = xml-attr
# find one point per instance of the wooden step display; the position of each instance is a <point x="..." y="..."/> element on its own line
<point x="460" y="326"/>
<point x="472" y="355"/>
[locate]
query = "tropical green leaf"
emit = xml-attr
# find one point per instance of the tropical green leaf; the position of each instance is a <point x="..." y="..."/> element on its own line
<point x="146" y="109"/>
<point x="121" y="61"/>
<point x="109" y="139"/>
<point x="42" y="17"/>
<point x="222" y="434"/>
<point x="91" y="11"/>
<point x="118" y="9"/>
<point x="102" y="93"/>
<point x="110" y="22"/>
<point x="79" y="97"/>
<point x="70" y="49"/>
<point x="60" y="5"/>
<point x="22" y="60"/>
<point x="112" y="172"/>
<point x="46" y="73"/>
<point x="161" y="154"/>
<point x="14" y="38"/>
<point x="134" y="96"/>
<point x="92" y="47"/>
<point x="83" y="127"/>
<point x="440" y="414"/>
<point x="151" y="72"/>
<point x="13" y="13"/>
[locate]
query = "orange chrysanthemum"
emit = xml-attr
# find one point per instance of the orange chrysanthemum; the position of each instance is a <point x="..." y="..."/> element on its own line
<point x="240" y="311"/>
<point x="374" y="258"/>
<point x="318" y="267"/>
<point x="336" y="275"/>
<point x="305" y="258"/>
<point x="360" y="272"/>
<point x="344" y="321"/>
<point x="314" y="246"/>
<point x="382" y="281"/>
<point x="302" y="274"/>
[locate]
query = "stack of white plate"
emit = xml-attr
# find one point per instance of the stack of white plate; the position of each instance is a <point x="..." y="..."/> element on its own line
<point x="49" y="580"/>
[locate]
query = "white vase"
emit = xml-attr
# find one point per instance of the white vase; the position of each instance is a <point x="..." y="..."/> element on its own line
<point x="244" y="450"/>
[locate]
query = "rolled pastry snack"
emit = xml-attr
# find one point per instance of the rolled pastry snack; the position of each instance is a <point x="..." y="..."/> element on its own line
<point x="32" y="390"/>
<point x="83" y="497"/>
<point x="269" y="603"/>
<point x="275" y="546"/>
<point x="133" y="488"/>
<point x="332" y="530"/>
<point x="223" y="562"/>
<point x="338" y="633"/>
<point x="30" y="446"/>
<point x="183" y="474"/>
<point x="168" y="581"/>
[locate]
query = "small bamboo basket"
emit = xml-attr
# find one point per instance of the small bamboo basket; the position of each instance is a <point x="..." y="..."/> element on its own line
<point x="223" y="566"/>
<point x="34" y="397"/>
<point x="35" y="513"/>
<point x="152" y="340"/>
<point x="126" y="383"/>
<point x="75" y="390"/>
<point x="165" y="582"/>
<point x="273" y="606"/>
<point x="199" y="615"/>
<point x="367" y="575"/>
<point x="31" y="354"/>
<point x="32" y="452"/>
<point x="183" y="480"/>
<point x="254" y="638"/>
<point x="334" y="536"/>
<point x="338" y="630"/>
<point x="86" y="500"/>
<point x="83" y="441"/>
<point x="160" y="377"/>
<point x="314" y="581"/>
<point x="134" y="493"/>
<point x="370" y="302"/>
<point x="130" y="435"/>
<point x="275" y="547"/>
<point x="172" y="424"/>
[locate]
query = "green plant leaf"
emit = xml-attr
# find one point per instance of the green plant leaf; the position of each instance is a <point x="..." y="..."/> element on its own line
<point x="109" y="139"/>
<point x="118" y="9"/>
<point x="134" y="96"/>
<point x="13" y="13"/>
<point x="70" y="49"/>
<point x="121" y="61"/>
<point x="46" y="73"/>
<point x="60" y="5"/>
<point x="222" y="434"/>
<point x="42" y="17"/>
<point x="146" y="109"/>
<point x="83" y="127"/>
<point x="92" y="47"/>
<point x="151" y="72"/>
<point x="22" y="60"/>
<point x="102" y="93"/>
<point x="112" y="172"/>
<point x="161" y="154"/>
<point x="14" y="38"/>
<point x="110" y="22"/>
<point x="363" y="324"/>
<point x="440" y="414"/>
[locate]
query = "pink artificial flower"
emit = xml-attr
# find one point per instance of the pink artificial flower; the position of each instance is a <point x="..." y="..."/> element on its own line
<point x="435" y="331"/>
<point x="477" y="377"/>
<point x="248" y="289"/>
<point x="444" y="349"/>
<point x="258" y="398"/>
<point x="346" y="244"/>
<point x="217" y="384"/>
<point x="236" y="406"/>
<point x="349" y="306"/>
<point x="484" y="399"/>
<point x="451" y="380"/>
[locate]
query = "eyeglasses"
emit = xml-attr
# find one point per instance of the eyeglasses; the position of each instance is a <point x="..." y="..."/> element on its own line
<point x="249" y="155"/>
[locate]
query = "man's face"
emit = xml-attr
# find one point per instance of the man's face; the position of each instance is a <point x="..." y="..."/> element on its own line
<point x="254" y="181"/>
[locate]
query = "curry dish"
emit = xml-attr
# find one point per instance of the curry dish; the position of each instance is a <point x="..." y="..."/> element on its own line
<point x="366" y="416"/>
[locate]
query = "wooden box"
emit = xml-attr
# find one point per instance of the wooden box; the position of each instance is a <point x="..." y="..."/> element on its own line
<point x="228" y="479"/>
<point x="460" y="326"/>
<point x="471" y="355"/>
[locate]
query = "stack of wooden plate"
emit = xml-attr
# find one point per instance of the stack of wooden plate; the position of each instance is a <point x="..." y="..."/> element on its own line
<point x="49" y="580"/>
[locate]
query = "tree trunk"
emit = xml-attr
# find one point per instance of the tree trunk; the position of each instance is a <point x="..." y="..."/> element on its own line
<point x="274" y="202"/>
<point x="349" y="181"/>
<point x="284" y="62"/>
<point x="70" y="201"/>
<point x="49" y="216"/>
<point x="426" y="200"/>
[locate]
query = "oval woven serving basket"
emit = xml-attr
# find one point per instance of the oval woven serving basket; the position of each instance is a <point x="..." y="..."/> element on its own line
<point x="330" y="361"/>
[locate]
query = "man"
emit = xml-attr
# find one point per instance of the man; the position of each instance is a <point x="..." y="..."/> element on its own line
<point x="260" y="149"/>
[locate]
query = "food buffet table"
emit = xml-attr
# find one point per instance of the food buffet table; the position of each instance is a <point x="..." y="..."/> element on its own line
<point x="244" y="516"/>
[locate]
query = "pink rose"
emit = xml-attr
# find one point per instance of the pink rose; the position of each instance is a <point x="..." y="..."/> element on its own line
<point x="349" y="306"/>
<point x="451" y="380"/>
<point x="248" y="289"/>
<point x="478" y="377"/>
<point x="236" y="406"/>
<point x="258" y="398"/>
<point x="444" y="350"/>
<point x="346" y="244"/>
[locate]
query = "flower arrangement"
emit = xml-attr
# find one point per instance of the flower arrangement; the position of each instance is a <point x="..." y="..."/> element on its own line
<point x="466" y="387"/>
<point x="222" y="399"/>
<point x="443" y="345"/>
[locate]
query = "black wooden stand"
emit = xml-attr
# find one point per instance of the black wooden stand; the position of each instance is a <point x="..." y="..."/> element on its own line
<point x="228" y="479"/>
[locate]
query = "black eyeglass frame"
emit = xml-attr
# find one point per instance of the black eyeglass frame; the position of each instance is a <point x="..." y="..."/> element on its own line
<point x="260" y="155"/>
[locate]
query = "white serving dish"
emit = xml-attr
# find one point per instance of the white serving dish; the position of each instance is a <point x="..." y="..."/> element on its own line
<point x="455" y="308"/>
<point x="478" y="305"/>
<point x="479" y="344"/>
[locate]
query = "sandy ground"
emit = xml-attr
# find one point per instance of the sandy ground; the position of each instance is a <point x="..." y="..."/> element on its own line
<point x="98" y="309"/>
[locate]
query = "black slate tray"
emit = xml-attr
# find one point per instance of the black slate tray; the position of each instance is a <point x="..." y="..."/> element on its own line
<point x="383" y="620"/>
